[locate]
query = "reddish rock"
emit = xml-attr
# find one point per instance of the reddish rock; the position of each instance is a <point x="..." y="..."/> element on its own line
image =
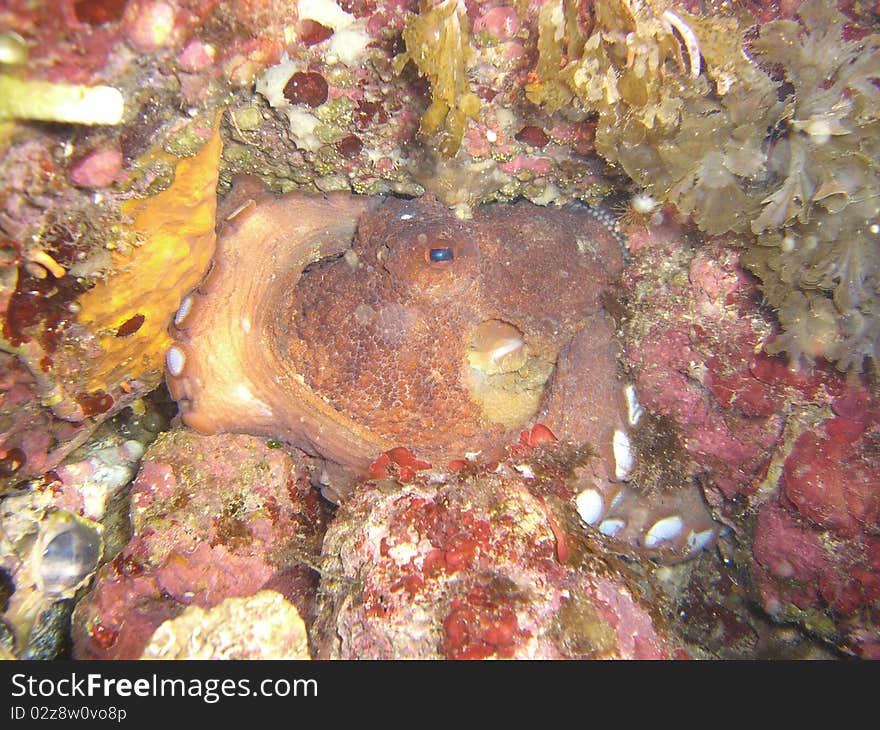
<point x="32" y="440"/>
<point x="212" y="517"/>
<point x="196" y="56"/>
<point x="150" y="25"/>
<point x="817" y="554"/>
<point x="786" y="548"/>
<point x="695" y="346"/>
<point x="832" y="478"/>
<point x="350" y="147"/>
<point x="98" y="169"/>
<point x="533" y="136"/>
<point x="500" y="22"/>
<point x="311" y="32"/>
<point x="100" y="12"/>
<point x="809" y="576"/>
<point x="208" y="574"/>
<point x="116" y="620"/>
<point x="524" y="164"/>
<point x="470" y="569"/>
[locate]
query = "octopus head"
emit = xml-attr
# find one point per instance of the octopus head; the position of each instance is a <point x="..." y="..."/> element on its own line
<point x="429" y="257"/>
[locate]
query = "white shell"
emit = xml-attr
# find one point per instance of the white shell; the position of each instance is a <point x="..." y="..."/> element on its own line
<point x="590" y="506"/>
<point x="664" y="530"/>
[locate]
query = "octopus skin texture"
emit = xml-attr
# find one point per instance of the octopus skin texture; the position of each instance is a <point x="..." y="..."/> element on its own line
<point x="347" y="326"/>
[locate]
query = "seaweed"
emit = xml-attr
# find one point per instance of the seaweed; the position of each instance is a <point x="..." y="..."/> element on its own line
<point x="438" y="42"/>
<point x="775" y="139"/>
<point x="820" y="229"/>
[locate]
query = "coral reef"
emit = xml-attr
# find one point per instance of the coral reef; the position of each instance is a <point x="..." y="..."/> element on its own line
<point x="89" y="353"/>
<point x="212" y="518"/>
<point x="787" y="459"/>
<point x="755" y="120"/>
<point x="816" y="551"/>
<point x="482" y="565"/>
<point x="54" y="530"/>
<point x="117" y="343"/>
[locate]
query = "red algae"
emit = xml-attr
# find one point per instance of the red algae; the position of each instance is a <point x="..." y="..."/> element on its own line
<point x="40" y="308"/>
<point x="358" y="8"/>
<point x="533" y="136"/>
<point x="98" y="12"/>
<point x="312" y="32"/>
<point x="474" y="562"/>
<point x="93" y="404"/>
<point x="478" y="627"/>
<point x="11" y="460"/>
<point x="130" y="326"/>
<point x="350" y="147"/>
<point x="829" y="479"/>
<point x="369" y="112"/>
<point x="306" y="87"/>
<point x="98" y="169"/>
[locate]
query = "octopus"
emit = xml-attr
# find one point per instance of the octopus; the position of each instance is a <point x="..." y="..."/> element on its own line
<point x="347" y="326"/>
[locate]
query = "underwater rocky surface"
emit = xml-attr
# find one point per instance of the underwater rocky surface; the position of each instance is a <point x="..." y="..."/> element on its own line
<point x="736" y="146"/>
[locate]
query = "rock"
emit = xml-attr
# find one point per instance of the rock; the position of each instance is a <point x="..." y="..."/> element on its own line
<point x="471" y="569"/>
<point x="212" y="518"/>
<point x="98" y="168"/>
<point x="261" y="626"/>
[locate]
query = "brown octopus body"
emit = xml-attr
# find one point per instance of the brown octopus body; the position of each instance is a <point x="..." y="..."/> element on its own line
<point x="347" y="326"/>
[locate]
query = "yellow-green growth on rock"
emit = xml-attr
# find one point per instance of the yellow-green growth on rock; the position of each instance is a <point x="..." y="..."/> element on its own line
<point x="438" y="42"/>
<point x="774" y="139"/>
<point x="50" y="102"/>
<point x="559" y="38"/>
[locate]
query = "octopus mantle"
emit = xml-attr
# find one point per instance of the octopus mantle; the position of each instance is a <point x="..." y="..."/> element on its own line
<point x="347" y="326"/>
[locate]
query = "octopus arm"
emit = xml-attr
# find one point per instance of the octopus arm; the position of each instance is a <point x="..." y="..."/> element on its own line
<point x="227" y="367"/>
<point x="585" y="399"/>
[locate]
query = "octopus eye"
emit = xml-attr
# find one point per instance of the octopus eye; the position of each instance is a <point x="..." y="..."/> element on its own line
<point x="441" y="255"/>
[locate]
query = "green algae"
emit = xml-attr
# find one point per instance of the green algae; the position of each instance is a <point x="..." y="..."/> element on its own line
<point x="438" y="42"/>
<point x="777" y="139"/>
